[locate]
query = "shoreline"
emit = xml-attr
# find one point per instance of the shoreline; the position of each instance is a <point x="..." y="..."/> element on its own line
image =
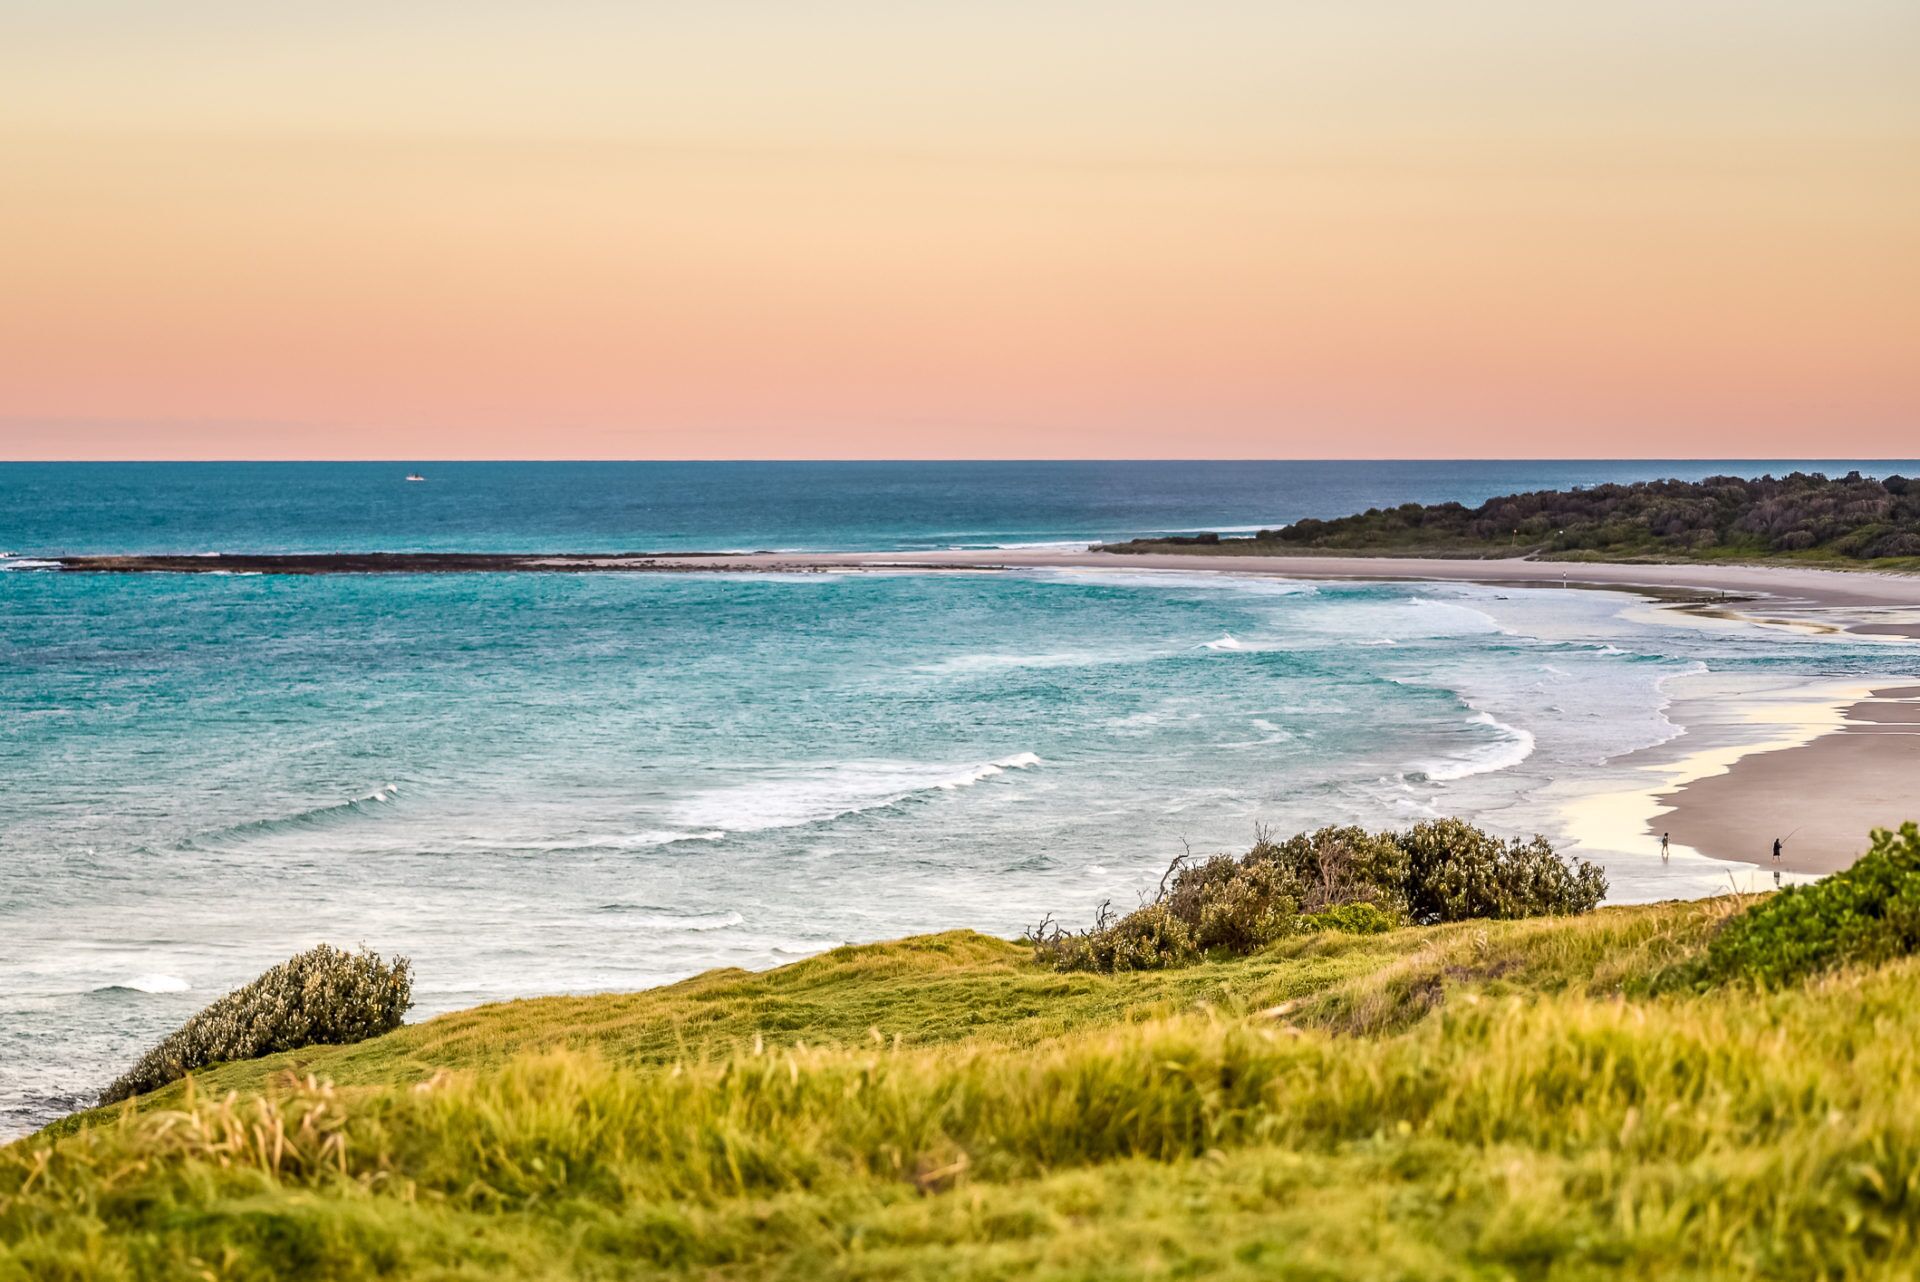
<point x="1755" y="761"/>
<point x="1822" y="599"/>
<point x="1818" y="768"/>
<point x="1820" y="785"/>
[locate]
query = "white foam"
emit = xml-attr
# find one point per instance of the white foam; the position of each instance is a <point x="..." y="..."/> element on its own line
<point x="1433" y="604"/>
<point x="1018" y="761"/>
<point x="1046" y="546"/>
<point x="793" y="796"/>
<point x="1227" y="642"/>
<point x="962" y="665"/>
<point x="1222" y="580"/>
<point x="1512" y="747"/>
<point x="1409" y="800"/>
<point x="27" y="563"/>
<point x="1270" y="733"/>
<point x="660" y="837"/>
<point x="154" y="983"/>
<point x="668" y="919"/>
<point x="648" y="839"/>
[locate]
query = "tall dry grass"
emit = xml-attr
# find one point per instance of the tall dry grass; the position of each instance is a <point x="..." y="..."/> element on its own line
<point x="1736" y="1134"/>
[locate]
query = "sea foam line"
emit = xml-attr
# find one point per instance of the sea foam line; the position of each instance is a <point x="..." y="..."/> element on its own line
<point x="1513" y="747"/>
<point x="314" y="817"/>
<point x="796" y="797"/>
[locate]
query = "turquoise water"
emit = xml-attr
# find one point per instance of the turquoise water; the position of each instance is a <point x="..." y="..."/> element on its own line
<point x="49" y="508"/>
<point x="537" y="784"/>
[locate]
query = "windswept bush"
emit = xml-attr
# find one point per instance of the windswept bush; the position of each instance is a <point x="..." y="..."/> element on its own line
<point x="1456" y="871"/>
<point x="1344" y="879"/>
<point x="1866" y="915"/>
<point x="324" y="996"/>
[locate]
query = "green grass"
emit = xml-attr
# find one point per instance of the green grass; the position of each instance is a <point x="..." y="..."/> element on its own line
<point x="1483" y="1100"/>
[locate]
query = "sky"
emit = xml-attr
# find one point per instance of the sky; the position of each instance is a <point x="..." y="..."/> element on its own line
<point x="926" y="229"/>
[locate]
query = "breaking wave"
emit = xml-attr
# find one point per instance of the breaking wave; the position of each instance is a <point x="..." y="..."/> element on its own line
<point x="791" y="797"/>
<point x="317" y="817"/>
<point x="674" y="919"/>
<point x="154" y="983"/>
<point x="1511" y="747"/>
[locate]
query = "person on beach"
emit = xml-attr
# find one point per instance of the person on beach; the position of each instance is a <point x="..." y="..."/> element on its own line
<point x="1776" y="849"/>
<point x="1665" y="839"/>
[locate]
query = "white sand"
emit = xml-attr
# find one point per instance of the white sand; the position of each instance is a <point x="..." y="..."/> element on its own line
<point x="1869" y="602"/>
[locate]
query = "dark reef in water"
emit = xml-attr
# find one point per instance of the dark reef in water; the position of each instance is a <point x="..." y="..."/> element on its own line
<point x="388" y="562"/>
<point x="493" y="563"/>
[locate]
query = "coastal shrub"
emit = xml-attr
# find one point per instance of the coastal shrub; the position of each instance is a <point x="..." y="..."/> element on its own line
<point x="1344" y="879"/>
<point x="1456" y="871"/>
<point x="1150" y="939"/>
<point x="1336" y="866"/>
<point x="1866" y="915"/>
<point x="1349" y="919"/>
<point x="1234" y="904"/>
<point x="324" y="996"/>
<point x="1801" y="515"/>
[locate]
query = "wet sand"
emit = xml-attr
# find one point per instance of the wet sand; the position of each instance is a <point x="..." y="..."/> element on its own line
<point x="1821" y="797"/>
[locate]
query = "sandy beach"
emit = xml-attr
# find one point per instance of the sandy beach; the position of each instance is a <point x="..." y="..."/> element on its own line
<point x="1860" y="602"/>
<point x="1821" y="796"/>
<point x="1863" y="602"/>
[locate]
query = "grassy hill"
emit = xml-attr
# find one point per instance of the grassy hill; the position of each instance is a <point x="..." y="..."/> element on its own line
<point x="1799" y="519"/>
<point x="1480" y="1100"/>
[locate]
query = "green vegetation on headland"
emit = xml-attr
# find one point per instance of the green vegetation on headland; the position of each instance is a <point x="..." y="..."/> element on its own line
<point x="1553" y="1097"/>
<point x="322" y="997"/>
<point x="1349" y="879"/>
<point x="1800" y="519"/>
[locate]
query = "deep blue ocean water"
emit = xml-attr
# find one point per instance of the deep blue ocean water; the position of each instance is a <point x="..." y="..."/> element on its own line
<point x="48" y="508"/>
<point x="537" y="784"/>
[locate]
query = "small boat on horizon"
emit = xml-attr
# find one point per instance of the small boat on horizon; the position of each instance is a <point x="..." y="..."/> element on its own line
<point x="415" y="476"/>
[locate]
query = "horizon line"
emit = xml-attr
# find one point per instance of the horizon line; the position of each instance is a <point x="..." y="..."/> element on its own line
<point x="425" y="460"/>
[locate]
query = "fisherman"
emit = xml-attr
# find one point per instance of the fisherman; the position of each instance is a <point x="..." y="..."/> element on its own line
<point x="1776" y="849"/>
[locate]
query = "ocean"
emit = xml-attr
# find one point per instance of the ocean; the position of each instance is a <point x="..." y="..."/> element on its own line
<point x="569" y="783"/>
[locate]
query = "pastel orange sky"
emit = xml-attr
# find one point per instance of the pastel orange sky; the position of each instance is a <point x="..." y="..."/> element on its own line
<point x="742" y="228"/>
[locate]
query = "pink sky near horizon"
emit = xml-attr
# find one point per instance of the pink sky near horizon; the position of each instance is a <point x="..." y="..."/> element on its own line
<point x="1220" y="229"/>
